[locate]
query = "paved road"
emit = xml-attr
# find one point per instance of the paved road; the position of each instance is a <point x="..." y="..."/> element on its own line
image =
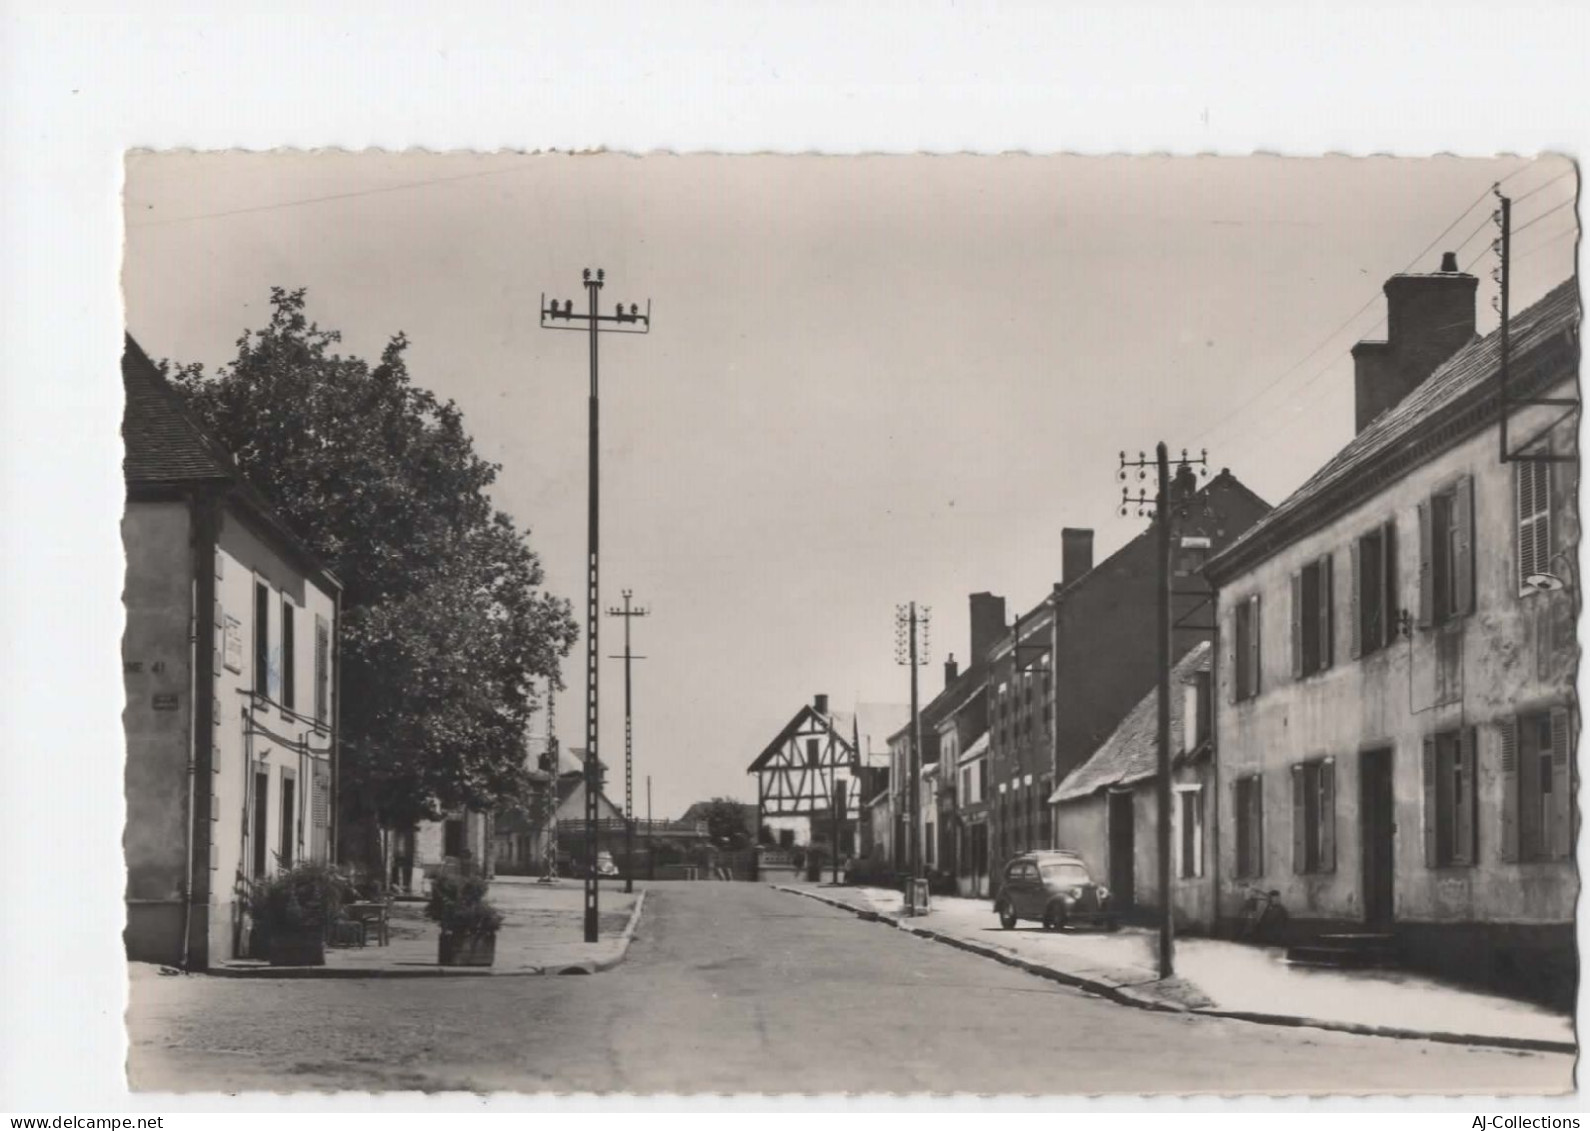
<point x="736" y="988"/>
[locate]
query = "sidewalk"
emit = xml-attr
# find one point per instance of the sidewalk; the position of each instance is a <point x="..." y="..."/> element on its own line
<point x="1223" y="978"/>
<point x="542" y="933"/>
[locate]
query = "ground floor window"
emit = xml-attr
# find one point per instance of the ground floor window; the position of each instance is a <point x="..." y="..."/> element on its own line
<point x="1314" y="816"/>
<point x="1537" y="786"/>
<point x="1189" y="816"/>
<point x="1449" y="799"/>
<point x="1249" y="810"/>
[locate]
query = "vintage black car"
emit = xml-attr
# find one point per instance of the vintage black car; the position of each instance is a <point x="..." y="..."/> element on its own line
<point x="1052" y="888"/>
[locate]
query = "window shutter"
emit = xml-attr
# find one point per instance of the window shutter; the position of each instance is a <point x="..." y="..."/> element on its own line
<point x="1299" y="824"/>
<point x="1253" y="644"/>
<point x="1431" y="856"/>
<point x="1509" y="772"/>
<point x="1256" y="838"/>
<point x="1463" y="563"/>
<point x="1464" y="839"/>
<point x="1327" y="604"/>
<point x="1297" y="626"/>
<point x="1390" y="593"/>
<point x="1327" y="816"/>
<point x="1232" y="681"/>
<point x="1426" y="577"/>
<point x="1561" y="784"/>
<point x="1355" y="600"/>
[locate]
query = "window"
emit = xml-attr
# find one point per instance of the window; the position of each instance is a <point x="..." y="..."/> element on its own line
<point x="289" y="690"/>
<point x="261" y="825"/>
<point x="1311" y="618"/>
<point x="982" y="778"/>
<point x="1532" y="480"/>
<point x="1189" y="815"/>
<point x="1446" y="554"/>
<point x="1244" y="658"/>
<point x="322" y="670"/>
<point x="453" y="837"/>
<point x="1449" y="801"/>
<point x="1374" y="592"/>
<point x="1314" y="816"/>
<point x="1537" y="786"/>
<point x="262" y="639"/>
<point x="1196" y="718"/>
<point x="289" y="819"/>
<point x="811" y="752"/>
<point x="1250" y="826"/>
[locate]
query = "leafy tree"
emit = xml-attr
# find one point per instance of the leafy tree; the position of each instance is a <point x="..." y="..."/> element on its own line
<point x="445" y="624"/>
<point x="727" y="826"/>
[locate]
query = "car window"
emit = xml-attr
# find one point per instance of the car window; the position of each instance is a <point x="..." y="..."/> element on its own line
<point x="1066" y="874"/>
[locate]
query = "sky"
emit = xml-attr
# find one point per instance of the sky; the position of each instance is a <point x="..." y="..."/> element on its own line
<point x="869" y="380"/>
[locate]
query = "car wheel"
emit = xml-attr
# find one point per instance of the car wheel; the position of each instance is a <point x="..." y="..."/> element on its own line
<point x="1007" y="916"/>
<point x="1054" y="919"/>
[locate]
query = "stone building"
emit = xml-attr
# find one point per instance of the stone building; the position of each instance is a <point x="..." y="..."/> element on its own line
<point x="1396" y="724"/>
<point x="230" y="666"/>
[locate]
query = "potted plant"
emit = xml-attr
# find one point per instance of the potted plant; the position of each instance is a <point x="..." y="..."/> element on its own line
<point x="292" y="912"/>
<point x="469" y="923"/>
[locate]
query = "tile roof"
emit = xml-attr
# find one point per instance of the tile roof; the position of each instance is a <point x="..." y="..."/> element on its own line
<point x="1131" y="753"/>
<point x="975" y="750"/>
<point x="163" y="443"/>
<point x="1461" y="381"/>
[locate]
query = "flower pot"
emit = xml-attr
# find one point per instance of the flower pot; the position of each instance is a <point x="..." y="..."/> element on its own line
<point x="459" y="949"/>
<point x="300" y="946"/>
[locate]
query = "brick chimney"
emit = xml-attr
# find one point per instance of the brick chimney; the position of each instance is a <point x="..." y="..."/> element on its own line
<point x="1076" y="554"/>
<point x="1428" y="319"/>
<point x="951" y="670"/>
<point x="988" y="623"/>
<point x="820" y="704"/>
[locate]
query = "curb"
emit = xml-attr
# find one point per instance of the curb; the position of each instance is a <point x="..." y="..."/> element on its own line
<point x="583" y="966"/>
<point x="1137" y="999"/>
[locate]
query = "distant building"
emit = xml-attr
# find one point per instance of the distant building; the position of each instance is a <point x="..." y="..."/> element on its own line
<point x="1397" y="725"/>
<point x="230" y="664"/>
<point x="1066" y="674"/>
<point x="1107" y="809"/>
<point x="818" y="749"/>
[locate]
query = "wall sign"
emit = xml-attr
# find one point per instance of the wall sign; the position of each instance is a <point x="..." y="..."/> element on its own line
<point x="232" y="644"/>
<point x="165" y="702"/>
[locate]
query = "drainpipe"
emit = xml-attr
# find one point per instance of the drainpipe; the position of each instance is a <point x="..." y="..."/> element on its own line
<point x="334" y="820"/>
<point x="193" y="738"/>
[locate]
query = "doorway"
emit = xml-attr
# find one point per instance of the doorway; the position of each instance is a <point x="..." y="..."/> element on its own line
<point x="1378" y="828"/>
<point x="1123" y="846"/>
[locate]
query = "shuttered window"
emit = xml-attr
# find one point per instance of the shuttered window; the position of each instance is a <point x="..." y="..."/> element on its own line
<point x="1537" y="786"/>
<point x="1446" y="554"/>
<point x="1450" y="801"/>
<point x="1244" y="656"/>
<point x="262" y="639"/>
<point x="322" y="670"/>
<point x="1249" y="809"/>
<point x="289" y="656"/>
<point x="1373" y="596"/>
<point x="1314" y="816"/>
<point x="1533" y="482"/>
<point x="1311" y="618"/>
<point x="1189" y="817"/>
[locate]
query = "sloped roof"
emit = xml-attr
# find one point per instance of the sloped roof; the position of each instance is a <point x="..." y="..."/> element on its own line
<point x="1131" y="753"/>
<point x="955" y="695"/>
<point x="868" y="719"/>
<point x="163" y="443"/>
<point x="1464" y="380"/>
<point x="976" y="750"/>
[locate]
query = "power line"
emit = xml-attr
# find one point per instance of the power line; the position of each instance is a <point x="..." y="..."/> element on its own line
<point x="406" y="186"/>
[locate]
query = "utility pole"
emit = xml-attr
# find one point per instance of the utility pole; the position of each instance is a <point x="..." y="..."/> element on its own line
<point x="550" y="760"/>
<point x="1163" y="506"/>
<point x="628" y="614"/>
<point x="594" y="328"/>
<point x="910" y="623"/>
<point x="651" y="860"/>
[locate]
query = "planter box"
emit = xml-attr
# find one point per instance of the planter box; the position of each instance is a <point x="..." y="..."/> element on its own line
<point x="297" y="948"/>
<point x="466" y="950"/>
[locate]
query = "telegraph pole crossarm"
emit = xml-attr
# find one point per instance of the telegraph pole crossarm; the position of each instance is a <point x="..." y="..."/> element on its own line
<point x="629" y="614"/>
<point x="594" y="324"/>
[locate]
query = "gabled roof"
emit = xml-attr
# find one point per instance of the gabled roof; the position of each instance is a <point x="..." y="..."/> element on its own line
<point x="164" y="449"/>
<point x="975" y="751"/>
<point x="959" y="691"/>
<point x="163" y="443"/>
<point x="1224" y="480"/>
<point x="1131" y="753"/>
<point x="1463" y="383"/>
<point x="868" y="720"/>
